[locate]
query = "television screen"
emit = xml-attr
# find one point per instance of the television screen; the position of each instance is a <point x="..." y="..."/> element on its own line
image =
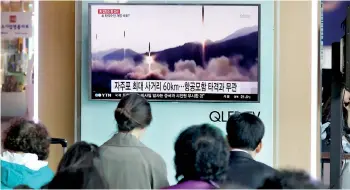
<point x="173" y="52"/>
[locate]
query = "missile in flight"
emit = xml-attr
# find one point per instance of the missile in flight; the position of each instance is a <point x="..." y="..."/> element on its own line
<point x="149" y="47"/>
<point x="202" y="13"/>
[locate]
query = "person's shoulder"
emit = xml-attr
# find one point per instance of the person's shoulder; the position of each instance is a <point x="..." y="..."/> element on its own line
<point x="39" y="178"/>
<point x="27" y="176"/>
<point x="47" y="171"/>
<point x="265" y="168"/>
<point x="151" y="154"/>
<point x="5" y="165"/>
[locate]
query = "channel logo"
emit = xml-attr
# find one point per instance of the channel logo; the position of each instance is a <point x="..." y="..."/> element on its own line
<point x="103" y="95"/>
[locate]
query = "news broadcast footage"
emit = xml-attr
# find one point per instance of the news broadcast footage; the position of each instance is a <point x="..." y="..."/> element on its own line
<point x="175" y="52"/>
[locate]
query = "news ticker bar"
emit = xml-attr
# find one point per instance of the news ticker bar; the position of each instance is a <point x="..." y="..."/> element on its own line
<point x="181" y="96"/>
<point x="184" y="87"/>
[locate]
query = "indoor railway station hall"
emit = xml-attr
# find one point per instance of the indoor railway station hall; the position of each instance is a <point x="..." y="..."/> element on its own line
<point x="225" y="94"/>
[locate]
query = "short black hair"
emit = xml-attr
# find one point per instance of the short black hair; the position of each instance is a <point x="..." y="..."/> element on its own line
<point x="80" y="154"/>
<point x="244" y="131"/>
<point x="27" y="136"/>
<point x="86" y="177"/>
<point x="201" y="153"/>
<point x="291" y="179"/>
<point x="133" y="111"/>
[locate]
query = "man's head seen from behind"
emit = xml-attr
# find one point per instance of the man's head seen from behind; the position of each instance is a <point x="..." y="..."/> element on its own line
<point x="245" y="131"/>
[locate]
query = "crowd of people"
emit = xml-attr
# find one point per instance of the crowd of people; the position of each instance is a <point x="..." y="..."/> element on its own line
<point x="205" y="157"/>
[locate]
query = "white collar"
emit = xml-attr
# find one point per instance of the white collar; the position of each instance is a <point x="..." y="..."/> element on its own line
<point x="239" y="150"/>
<point x="28" y="160"/>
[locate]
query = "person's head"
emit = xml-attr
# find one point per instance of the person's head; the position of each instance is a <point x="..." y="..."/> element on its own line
<point x="80" y="154"/>
<point x="133" y="113"/>
<point x="86" y="177"/>
<point x="245" y="131"/>
<point x="201" y="153"/>
<point x="27" y="136"/>
<point x="291" y="179"/>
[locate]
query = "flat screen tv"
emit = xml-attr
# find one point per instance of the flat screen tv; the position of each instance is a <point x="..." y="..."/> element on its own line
<point x="175" y="52"/>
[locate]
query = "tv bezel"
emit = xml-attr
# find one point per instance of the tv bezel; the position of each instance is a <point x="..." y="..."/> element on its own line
<point x="177" y="4"/>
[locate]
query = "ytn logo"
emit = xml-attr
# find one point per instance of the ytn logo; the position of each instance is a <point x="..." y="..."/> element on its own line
<point x="103" y="95"/>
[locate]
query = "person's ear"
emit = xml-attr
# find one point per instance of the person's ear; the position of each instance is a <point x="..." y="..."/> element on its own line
<point x="258" y="148"/>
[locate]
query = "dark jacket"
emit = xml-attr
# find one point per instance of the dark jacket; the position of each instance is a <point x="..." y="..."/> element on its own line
<point x="244" y="170"/>
<point x="129" y="164"/>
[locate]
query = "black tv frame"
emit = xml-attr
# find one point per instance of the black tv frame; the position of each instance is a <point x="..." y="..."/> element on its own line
<point x="181" y="4"/>
<point x="347" y="51"/>
<point x="336" y="125"/>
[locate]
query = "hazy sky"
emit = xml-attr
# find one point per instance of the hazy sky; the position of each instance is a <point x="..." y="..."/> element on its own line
<point x="166" y="26"/>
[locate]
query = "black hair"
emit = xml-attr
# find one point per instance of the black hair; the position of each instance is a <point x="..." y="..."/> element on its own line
<point x="201" y="153"/>
<point x="27" y="136"/>
<point x="133" y="111"/>
<point x="79" y="154"/>
<point x="244" y="131"/>
<point x="291" y="179"/>
<point x="86" y="177"/>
